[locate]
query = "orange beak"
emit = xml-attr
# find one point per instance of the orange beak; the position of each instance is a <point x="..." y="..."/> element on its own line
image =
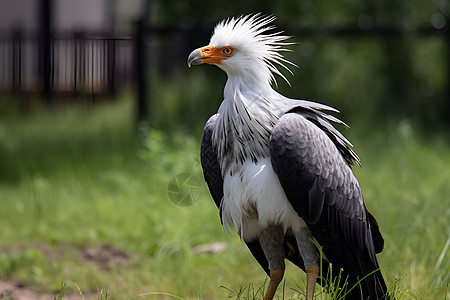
<point x="206" y="55"/>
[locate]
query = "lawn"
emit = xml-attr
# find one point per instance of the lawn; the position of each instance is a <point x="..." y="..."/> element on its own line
<point x="85" y="200"/>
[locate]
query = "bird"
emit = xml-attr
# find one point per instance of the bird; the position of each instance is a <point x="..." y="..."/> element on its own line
<point x="278" y="170"/>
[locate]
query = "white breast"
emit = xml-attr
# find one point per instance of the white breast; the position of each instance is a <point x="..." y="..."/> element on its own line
<point x="254" y="199"/>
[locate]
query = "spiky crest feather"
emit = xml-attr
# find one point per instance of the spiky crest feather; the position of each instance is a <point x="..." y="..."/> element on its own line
<point x="254" y="38"/>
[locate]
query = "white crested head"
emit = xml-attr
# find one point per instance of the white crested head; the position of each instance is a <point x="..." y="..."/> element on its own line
<point x="257" y="47"/>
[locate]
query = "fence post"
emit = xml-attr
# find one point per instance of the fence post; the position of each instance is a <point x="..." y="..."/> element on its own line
<point x="141" y="72"/>
<point x="45" y="48"/>
<point x="447" y="34"/>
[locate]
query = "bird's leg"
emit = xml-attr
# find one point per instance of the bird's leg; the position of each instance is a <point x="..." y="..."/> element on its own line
<point x="310" y="257"/>
<point x="275" y="278"/>
<point x="311" y="277"/>
<point x="271" y="240"/>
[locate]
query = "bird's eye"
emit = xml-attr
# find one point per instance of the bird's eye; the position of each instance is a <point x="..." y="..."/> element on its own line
<point x="227" y="51"/>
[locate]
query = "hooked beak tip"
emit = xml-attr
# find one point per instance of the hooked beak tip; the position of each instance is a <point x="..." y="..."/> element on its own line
<point x="195" y="58"/>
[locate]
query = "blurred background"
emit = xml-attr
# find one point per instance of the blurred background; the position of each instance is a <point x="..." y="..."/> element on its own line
<point x="373" y="58"/>
<point x="99" y="112"/>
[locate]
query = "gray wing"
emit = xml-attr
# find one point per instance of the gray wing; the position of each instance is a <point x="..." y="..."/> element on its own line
<point x="210" y="164"/>
<point x="214" y="180"/>
<point x="313" y="162"/>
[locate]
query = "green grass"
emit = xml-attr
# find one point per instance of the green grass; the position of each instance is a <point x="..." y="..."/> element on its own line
<point x="77" y="177"/>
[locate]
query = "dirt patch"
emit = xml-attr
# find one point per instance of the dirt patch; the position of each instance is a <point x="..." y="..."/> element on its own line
<point x="104" y="257"/>
<point x="209" y="248"/>
<point x="52" y="252"/>
<point x="17" y="290"/>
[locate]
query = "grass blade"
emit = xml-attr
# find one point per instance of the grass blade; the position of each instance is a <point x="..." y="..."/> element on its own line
<point x="79" y="290"/>
<point x="62" y="291"/>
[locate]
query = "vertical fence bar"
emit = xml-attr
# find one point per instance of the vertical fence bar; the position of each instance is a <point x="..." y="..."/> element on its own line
<point x="17" y="59"/>
<point x="82" y="77"/>
<point x="45" y="56"/>
<point x="75" y="62"/>
<point x="92" y="69"/>
<point x="141" y="72"/>
<point x="111" y="72"/>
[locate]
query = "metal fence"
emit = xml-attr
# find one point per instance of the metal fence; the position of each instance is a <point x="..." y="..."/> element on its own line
<point x="80" y="63"/>
<point x="64" y="66"/>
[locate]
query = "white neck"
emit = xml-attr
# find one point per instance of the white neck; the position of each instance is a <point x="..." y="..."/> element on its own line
<point x="246" y="117"/>
<point x="247" y="86"/>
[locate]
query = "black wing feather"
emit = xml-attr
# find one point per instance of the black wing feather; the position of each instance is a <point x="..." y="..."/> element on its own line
<point x="210" y="164"/>
<point x="313" y="165"/>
